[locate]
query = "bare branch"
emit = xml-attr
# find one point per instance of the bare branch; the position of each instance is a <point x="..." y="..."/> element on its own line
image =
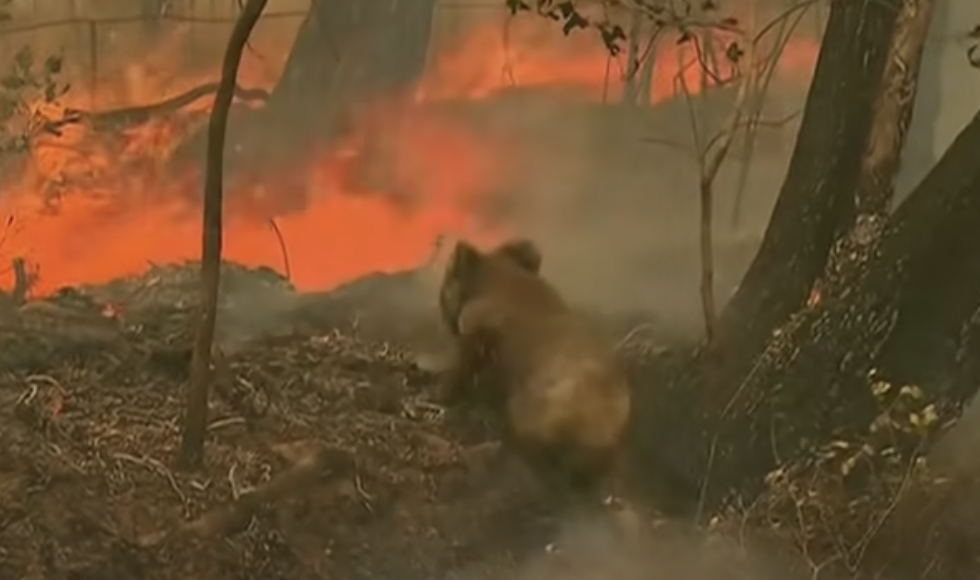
<point x="686" y="21"/>
<point x="785" y="32"/>
<point x="712" y="158"/>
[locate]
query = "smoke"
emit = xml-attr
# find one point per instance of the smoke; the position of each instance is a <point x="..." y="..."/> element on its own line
<point x="617" y="215"/>
<point x="610" y="193"/>
<point x="587" y="548"/>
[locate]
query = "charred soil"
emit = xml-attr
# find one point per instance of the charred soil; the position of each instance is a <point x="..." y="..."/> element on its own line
<point x="91" y="401"/>
<point x="91" y="393"/>
<point x="327" y="457"/>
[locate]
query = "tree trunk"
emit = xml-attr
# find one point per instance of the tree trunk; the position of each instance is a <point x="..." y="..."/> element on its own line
<point x="645" y="82"/>
<point x="913" y="316"/>
<point x="191" y="451"/>
<point x="815" y="201"/>
<point x="636" y="46"/>
<point x="346" y="53"/>
<point x="782" y="374"/>
<point x="353" y="49"/>
<point x="811" y="378"/>
<point x="939" y="303"/>
<point x="813" y="381"/>
<point x="920" y="153"/>
<point x="817" y="196"/>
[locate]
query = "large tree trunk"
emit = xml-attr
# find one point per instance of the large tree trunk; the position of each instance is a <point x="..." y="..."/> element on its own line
<point x="786" y="373"/>
<point x="815" y="201"/>
<point x="811" y="380"/>
<point x="346" y="53"/>
<point x="817" y="195"/>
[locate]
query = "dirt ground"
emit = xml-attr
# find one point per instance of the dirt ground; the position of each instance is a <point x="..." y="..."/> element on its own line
<point x="91" y="387"/>
<point x="328" y="458"/>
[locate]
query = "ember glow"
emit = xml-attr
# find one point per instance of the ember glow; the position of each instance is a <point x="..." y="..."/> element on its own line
<point x="86" y="209"/>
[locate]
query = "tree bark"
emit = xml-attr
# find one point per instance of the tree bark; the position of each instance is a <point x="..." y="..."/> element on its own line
<point x="913" y="315"/>
<point x="814" y="202"/>
<point x="920" y="153"/>
<point x="645" y="82"/>
<point x="346" y="53"/>
<point x="816" y="197"/>
<point x="811" y="380"/>
<point x="939" y="304"/>
<point x="780" y="374"/>
<point x="635" y="56"/>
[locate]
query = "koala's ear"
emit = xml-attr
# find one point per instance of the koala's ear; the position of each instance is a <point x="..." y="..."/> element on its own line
<point x="523" y="252"/>
<point x="464" y="258"/>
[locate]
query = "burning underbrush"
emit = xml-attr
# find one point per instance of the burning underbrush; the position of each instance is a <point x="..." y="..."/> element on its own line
<point x="326" y="456"/>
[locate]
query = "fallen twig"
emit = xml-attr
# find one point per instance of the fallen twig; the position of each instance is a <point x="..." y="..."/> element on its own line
<point x="313" y="462"/>
<point x="159" y="468"/>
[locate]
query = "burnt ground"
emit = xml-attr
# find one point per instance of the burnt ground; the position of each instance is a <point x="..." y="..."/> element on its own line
<point x="91" y="387"/>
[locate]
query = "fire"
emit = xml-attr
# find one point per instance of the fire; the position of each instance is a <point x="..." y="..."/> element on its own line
<point x="86" y="209"/>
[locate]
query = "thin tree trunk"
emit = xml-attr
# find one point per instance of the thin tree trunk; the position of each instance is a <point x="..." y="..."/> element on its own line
<point x="634" y="54"/>
<point x="921" y="151"/>
<point x="647" y="68"/>
<point x="191" y="453"/>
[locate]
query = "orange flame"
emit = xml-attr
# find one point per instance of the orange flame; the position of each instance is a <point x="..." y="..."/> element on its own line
<point x="88" y="209"/>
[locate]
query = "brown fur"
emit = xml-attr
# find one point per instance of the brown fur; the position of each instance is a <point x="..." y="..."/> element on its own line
<point x="519" y="252"/>
<point x="566" y="401"/>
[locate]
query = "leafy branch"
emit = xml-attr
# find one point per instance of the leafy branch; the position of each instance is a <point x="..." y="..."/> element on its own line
<point x="681" y="16"/>
<point x="30" y="91"/>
